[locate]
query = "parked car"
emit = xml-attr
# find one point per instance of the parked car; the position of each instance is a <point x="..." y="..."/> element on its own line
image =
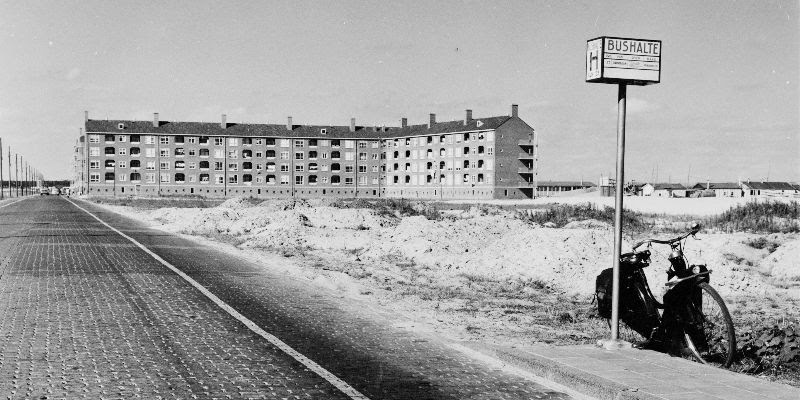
<point x="43" y="191"/>
<point x="65" y="191"/>
<point x="54" y="190"/>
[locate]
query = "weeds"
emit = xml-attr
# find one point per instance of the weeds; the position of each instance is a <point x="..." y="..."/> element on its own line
<point x="563" y="214"/>
<point x="765" y="216"/>
<point x="158" y="202"/>
<point x="393" y="207"/>
<point x="763" y="243"/>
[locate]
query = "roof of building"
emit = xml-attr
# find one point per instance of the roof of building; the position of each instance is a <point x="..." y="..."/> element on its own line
<point x="716" y="185"/>
<point x="566" y="183"/>
<point x="769" y="185"/>
<point x="667" y="186"/>
<point x="280" y="130"/>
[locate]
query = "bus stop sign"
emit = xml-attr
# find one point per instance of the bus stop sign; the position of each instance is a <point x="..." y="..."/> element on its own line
<point x="620" y="60"/>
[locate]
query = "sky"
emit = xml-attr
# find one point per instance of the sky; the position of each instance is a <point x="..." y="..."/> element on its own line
<point x="726" y="108"/>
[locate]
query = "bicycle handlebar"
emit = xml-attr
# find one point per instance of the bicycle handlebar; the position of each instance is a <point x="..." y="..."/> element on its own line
<point x="693" y="230"/>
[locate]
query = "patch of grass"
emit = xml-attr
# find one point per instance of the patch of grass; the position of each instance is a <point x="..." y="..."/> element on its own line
<point x="393" y="207"/>
<point x="761" y="216"/>
<point x="563" y="214"/>
<point x="762" y="243"/>
<point x="153" y="203"/>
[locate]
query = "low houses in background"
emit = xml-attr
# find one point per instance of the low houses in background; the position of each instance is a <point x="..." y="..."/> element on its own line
<point x="663" y="190"/>
<point x="784" y="189"/>
<point x="552" y="188"/>
<point x="721" y="189"/>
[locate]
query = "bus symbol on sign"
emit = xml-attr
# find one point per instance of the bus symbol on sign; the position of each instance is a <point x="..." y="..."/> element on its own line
<point x="593" y="59"/>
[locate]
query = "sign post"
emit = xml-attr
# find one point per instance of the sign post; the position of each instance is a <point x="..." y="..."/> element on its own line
<point x="622" y="62"/>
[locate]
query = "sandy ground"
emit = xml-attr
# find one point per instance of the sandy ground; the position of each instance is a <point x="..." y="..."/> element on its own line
<point x="482" y="274"/>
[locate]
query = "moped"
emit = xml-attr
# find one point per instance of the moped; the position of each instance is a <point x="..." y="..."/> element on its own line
<point x="692" y="320"/>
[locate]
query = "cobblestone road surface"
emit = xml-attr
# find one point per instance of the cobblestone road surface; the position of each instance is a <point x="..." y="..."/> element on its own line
<point x="84" y="313"/>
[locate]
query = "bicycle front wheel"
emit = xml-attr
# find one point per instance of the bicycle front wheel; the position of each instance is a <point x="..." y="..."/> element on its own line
<point x="710" y="337"/>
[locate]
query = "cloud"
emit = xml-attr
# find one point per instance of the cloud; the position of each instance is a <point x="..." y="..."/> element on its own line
<point x="73" y="73"/>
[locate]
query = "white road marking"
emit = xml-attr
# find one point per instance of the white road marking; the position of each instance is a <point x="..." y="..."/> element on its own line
<point x="319" y="370"/>
<point x="13" y="202"/>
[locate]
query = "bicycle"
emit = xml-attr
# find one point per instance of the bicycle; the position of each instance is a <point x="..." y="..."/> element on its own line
<point x="692" y="320"/>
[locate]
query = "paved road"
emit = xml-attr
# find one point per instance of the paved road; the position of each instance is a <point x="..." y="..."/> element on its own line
<point x="84" y="312"/>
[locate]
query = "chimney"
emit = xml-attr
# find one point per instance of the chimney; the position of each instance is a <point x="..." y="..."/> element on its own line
<point x="155" y="120"/>
<point x="352" y="124"/>
<point x="86" y="116"/>
<point x="223" y="123"/>
<point x="514" y="110"/>
<point x="468" y="118"/>
<point x="289" y="125"/>
<point x="432" y="121"/>
<point x="403" y="122"/>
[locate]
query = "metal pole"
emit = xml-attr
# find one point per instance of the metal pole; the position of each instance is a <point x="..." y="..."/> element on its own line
<point x="16" y="173"/>
<point x="618" y="211"/>
<point x="2" y="185"/>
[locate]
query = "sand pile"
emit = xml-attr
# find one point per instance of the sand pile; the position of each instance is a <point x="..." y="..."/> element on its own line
<point x="481" y="242"/>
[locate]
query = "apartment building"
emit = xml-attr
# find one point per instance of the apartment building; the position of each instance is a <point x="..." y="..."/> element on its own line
<point x="480" y="158"/>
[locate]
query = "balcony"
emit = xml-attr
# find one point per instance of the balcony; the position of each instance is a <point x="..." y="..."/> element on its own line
<point x="525" y="170"/>
<point x="526" y="156"/>
<point x="526" y="142"/>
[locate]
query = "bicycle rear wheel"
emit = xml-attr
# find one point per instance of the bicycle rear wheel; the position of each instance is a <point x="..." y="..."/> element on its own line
<point x="711" y="337"/>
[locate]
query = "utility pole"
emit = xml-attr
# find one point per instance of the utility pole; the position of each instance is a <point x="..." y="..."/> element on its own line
<point x="16" y="172"/>
<point x="9" y="171"/>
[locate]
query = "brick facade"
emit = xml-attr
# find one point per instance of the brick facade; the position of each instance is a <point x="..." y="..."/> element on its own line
<point x="474" y="158"/>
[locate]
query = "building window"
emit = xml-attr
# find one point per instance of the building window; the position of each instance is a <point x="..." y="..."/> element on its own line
<point x="362" y="168"/>
<point x="299" y="168"/>
<point x="164" y="178"/>
<point x="362" y="145"/>
<point x="150" y="177"/>
<point x="93" y="164"/>
<point x="348" y="180"/>
<point x="151" y="165"/>
<point x="94" y="177"/>
<point x="335" y="179"/>
<point x="247" y="165"/>
<point x="218" y="141"/>
<point x="204" y="153"/>
<point x="191" y="140"/>
<point x="284" y="167"/>
<point x="179" y="152"/>
<point x="247" y="178"/>
<point x="312" y="179"/>
<point x="135" y="177"/>
<point x="164" y="164"/>
<point x="179" y="164"/>
<point x="247" y="153"/>
<point x="233" y="141"/>
<point x="299" y="155"/>
<point x="163" y="139"/>
<point x="335" y="167"/>
<point x="109" y="151"/>
<point x="284" y="179"/>
<point x="218" y="166"/>
<point x="204" y="178"/>
<point x="110" y="138"/>
<point x="285" y="143"/>
<point x="122" y="164"/>
<point x="203" y="164"/>
<point x="269" y="142"/>
<point x="233" y="178"/>
<point x="299" y="143"/>
<point x="233" y="167"/>
<point x="180" y="178"/>
<point x="122" y="138"/>
<point x="218" y="153"/>
<point x="192" y="165"/>
<point x="348" y="168"/>
<point x="94" y="139"/>
<point x="220" y="179"/>
<point x="298" y="180"/>
<point x="203" y="140"/>
<point x="247" y="141"/>
<point x="284" y="155"/>
<point x="163" y="152"/>
<point x="94" y="151"/>
<point x="136" y="163"/>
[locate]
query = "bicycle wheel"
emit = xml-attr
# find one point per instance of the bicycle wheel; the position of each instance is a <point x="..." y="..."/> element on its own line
<point x="710" y="338"/>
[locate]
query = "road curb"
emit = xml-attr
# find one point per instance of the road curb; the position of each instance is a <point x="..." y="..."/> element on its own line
<point x="574" y="378"/>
